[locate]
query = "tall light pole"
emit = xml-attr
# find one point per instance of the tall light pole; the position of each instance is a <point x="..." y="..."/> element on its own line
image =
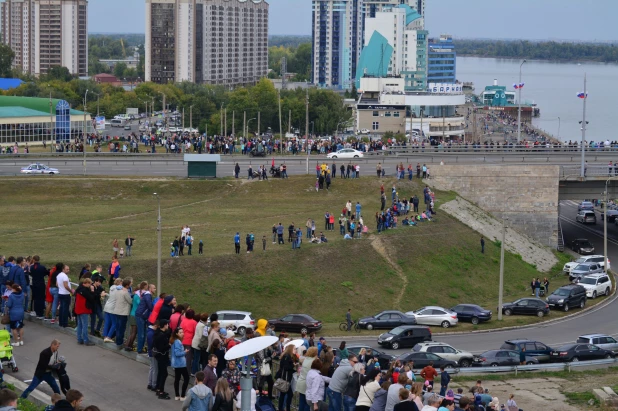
<point x="249" y="122"/>
<point x="280" y="128"/>
<point x="307" y="129"/>
<point x="191" y="116"/>
<point x="501" y="289"/>
<point x="163" y="108"/>
<point x="584" y="96"/>
<point x="158" y="244"/>
<point x="519" y="105"/>
<point x="84" y="133"/>
<point x="558" y="128"/>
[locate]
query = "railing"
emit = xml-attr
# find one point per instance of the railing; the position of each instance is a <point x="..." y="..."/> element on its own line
<point x="572" y="172"/>
<point x="560" y="246"/>
<point x="556" y="366"/>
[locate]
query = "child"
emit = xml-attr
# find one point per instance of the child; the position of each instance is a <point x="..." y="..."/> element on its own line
<point x="201" y="249"/>
<point x="121" y="252"/>
<point x="172" y="250"/>
<point x="263" y="243"/>
<point x="54" y="399"/>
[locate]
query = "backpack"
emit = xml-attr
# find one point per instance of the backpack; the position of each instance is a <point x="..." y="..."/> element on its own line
<point x="5" y="273"/>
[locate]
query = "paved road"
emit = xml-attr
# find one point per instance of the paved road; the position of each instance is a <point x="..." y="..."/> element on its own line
<point x="173" y="165"/>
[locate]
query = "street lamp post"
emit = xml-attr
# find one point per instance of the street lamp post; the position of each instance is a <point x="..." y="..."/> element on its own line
<point x="583" y="123"/>
<point x="84" y="131"/>
<point x="158" y="244"/>
<point x="191" y="117"/>
<point x="501" y="289"/>
<point x="519" y="105"/>
<point x="51" y="122"/>
<point x="558" y="128"/>
<point x="247" y="131"/>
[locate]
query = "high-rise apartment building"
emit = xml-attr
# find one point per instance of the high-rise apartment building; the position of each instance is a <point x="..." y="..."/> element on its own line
<point x="442" y="60"/>
<point x="47" y="33"/>
<point x="373" y="6"/>
<point x="337" y="41"/>
<point x="206" y="41"/>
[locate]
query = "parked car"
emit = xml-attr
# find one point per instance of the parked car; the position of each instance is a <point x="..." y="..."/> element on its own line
<point x="585" y="205"/>
<point x="239" y="319"/>
<point x="301" y="323"/>
<point x="580" y="352"/>
<point x="143" y="128"/>
<point x="501" y="358"/>
<point x="584" y="269"/>
<point x="39" y="169"/>
<point x="384" y="359"/>
<point x="586" y="217"/>
<point x="582" y="246"/>
<point x="422" y="359"/>
<point x="537" y="349"/>
<point x="611" y="215"/>
<point x="127" y="127"/>
<point x="405" y="336"/>
<point x="596" y="284"/>
<point x="526" y="306"/>
<point x="568" y="296"/>
<point x="471" y="312"/>
<point x="434" y="316"/>
<point x="463" y="358"/>
<point x="364" y="131"/>
<point x="345" y="153"/>
<point x="599" y="259"/>
<point x="386" y="320"/>
<point x="604" y="341"/>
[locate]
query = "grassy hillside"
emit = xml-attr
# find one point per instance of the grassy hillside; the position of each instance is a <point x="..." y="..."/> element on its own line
<point x="74" y="220"/>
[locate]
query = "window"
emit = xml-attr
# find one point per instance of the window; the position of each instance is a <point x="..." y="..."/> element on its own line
<point x="387" y="114"/>
<point x="396" y="114"/>
<point x="287" y="318"/>
<point x="376" y="114"/>
<point x="375" y="125"/>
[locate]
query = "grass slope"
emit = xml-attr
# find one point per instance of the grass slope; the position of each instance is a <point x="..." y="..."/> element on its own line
<point x="74" y="220"/>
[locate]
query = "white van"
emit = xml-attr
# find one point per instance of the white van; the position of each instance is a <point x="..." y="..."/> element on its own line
<point x="118" y="122"/>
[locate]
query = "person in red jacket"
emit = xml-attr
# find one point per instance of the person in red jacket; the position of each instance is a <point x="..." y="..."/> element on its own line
<point x="84" y="301"/>
<point x="156" y="308"/>
<point x="429" y="373"/>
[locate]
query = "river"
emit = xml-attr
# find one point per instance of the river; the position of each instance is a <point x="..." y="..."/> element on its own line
<point x="554" y="87"/>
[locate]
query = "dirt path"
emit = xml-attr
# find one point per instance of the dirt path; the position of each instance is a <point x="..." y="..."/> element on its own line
<point x="378" y="245"/>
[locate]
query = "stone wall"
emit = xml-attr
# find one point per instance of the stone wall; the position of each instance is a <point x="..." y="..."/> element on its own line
<point x="533" y="210"/>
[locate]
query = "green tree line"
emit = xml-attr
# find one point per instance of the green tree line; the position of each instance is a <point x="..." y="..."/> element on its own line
<point x="298" y="61"/>
<point x="543" y="50"/>
<point x="111" y="47"/>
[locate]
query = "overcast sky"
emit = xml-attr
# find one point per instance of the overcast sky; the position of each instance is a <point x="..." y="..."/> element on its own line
<point x="525" y="19"/>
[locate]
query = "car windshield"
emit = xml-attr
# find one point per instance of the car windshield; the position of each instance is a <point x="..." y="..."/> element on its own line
<point x="585" y="244"/>
<point x="588" y="280"/>
<point x="580" y="260"/>
<point x="397" y="330"/>
<point x="561" y="292"/>
<point x="583" y="267"/>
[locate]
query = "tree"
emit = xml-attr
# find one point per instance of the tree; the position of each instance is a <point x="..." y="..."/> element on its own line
<point x="59" y="73"/>
<point x="6" y="60"/>
<point x="119" y="70"/>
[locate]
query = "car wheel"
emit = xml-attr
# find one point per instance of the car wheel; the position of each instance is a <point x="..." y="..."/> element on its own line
<point x="334" y="157"/>
<point x="304" y="330"/>
<point x="369" y="327"/>
<point x="355" y="156"/>
<point x="607" y="291"/>
<point x="494" y="364"/>
<point x="51" y="173"/>
<point x="445" y="324"/>
<point x="475" y="320"/>
<point x="540" y="314"/>
<point x="607" y="356"/>
<point x="594" y="294"/>
<point x="465" y="363"/>
<point x="241" y="330"/>
<point x="582" y="304"/>
<point x="575" y="359"/>
<point x="395" y="345"/>
<point x="566" y="307"/>
<point x="508" y="311"/>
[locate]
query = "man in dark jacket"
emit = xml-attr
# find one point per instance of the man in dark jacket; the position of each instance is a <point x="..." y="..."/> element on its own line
<point x="141" y="315"/>
<point x="38" y="272"/>
<point x="445" y="379"/>
<point x="210" y="372"/>
<point x="43" y="371"/>
<point x="16" y="275"/>
<point x="167" y="308"/>
<point x="97" y="308"/>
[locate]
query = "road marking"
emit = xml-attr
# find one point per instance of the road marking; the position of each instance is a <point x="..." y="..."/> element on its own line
<point x="575" y="223"/>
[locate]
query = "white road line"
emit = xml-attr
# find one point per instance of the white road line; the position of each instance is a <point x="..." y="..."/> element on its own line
<point x="573" y="222"/>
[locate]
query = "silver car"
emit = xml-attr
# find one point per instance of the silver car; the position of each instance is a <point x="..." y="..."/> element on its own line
<point x="239" y="319"/>
<point x="586" y="217"/>
<point x="432" y="315"/>
<point x="39" y="169"/>
<point x="599" y="259"/>
<point x="585" y="269"/>
<point x="600" y="340"/>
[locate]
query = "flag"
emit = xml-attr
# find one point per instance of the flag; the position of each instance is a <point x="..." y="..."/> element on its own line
<point x="518" y="86"/>
<point x="582" y="95"/>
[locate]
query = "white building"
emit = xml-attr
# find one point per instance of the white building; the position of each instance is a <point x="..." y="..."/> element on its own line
<point x="47" y="33"/>
<point x="206" y="41"/>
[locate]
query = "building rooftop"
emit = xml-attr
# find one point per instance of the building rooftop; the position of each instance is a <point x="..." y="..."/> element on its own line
<point x="370" y="62"/>
<point x="7" y="112"/>
<point x="411" y="14"/>
<point x="9" y="83"/>
<point x="33" y="104"/>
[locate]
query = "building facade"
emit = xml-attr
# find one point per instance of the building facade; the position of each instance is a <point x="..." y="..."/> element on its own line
<point x="337" y="42"/>
<point x="206" y="41"/>
<point x="441" y="60"/>
<point x="47" y="33"/>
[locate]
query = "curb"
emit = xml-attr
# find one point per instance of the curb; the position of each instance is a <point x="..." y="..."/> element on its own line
<point x="36" y="397"/>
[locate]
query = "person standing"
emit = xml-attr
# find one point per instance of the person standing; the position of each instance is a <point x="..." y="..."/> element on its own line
<point x="429" y="373"/>
<point x="189" y="241"/>
<point x="38" y="272"/>
<point x="237" y="243"/>
<point x="236" y="170"/>
<point x="308" y="226"/>
<point x="64" y="295"/>
<point x="84" y="301"/>
<point x="200" y="396"/>
<point x="537" y="287"/>
<point x="179" y="364"/>
<point x="482" y="245"/>
<point x="15" y="305"/>
<point x="122" y="309"/>
<point x="445" y="380"/>
<point x="161" y="348"/>
<point x="43" y="372"/>
<point x="358" y="210"/>
<point x="287" y="367"/>
<point x="115" y="247"/>
<point x="128" y="242"/>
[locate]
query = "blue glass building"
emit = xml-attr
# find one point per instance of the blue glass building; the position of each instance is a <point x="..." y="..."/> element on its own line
<point x="441" y="60"/>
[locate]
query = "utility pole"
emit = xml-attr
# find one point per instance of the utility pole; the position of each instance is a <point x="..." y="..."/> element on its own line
<point x="583" y="148"/>
<point x="158" y="245"/>
<point x="280" y="128"/>
<point x="164" y="111"/>
<point x="183" y="119"/>
<point x="191" y="117"/>
<point x="244" y="125"/>
<point x="500" y="291"/>
<point x="51" y="123"/>
<point x="233" y="121"/>
<point x="519" y="105"/>
<point x="225" y="121"/>
<point x="84" y="131"/>
<point x="258" y="124"/>
<point x="221" y="115"/>
<point x="290" y="122"/>
<point x="307" y="129"/>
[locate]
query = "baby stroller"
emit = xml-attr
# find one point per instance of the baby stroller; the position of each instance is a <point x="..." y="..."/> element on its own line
<point x="6" y="352"/>
<point x="275" y="172"/>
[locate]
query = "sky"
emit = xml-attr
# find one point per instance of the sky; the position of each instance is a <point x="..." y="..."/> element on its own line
<point x="498" y="19"/>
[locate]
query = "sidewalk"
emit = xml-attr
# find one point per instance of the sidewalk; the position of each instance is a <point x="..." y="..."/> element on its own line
<point x="107" y="380"/>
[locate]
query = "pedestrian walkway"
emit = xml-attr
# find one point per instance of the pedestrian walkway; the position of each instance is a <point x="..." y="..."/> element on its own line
<point x="107" y="379"/>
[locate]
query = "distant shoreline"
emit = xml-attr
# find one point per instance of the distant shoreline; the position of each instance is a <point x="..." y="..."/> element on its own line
<point x="537" y="59"/>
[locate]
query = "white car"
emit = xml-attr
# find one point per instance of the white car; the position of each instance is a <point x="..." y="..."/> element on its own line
<point x="432" y="315"/>
<point x="239" y="319"/>
<point x="596" y="284"/>
<point x="345" y="153"/>
<point x="463" y="358"/>
<point x="174" y="129"/>
<point x="190" y="130"/>
<point x="364" y="131"/>
<point x="143" y="128"/>
<point x="599" y="259"/>
<point x="39" y="169"/>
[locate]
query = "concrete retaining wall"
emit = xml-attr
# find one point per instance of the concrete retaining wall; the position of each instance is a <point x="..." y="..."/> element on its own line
<point x="535" y="213"/>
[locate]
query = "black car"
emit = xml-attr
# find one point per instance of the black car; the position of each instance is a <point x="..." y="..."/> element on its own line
<point x="580" y="352"/>
<point x="422" y="359"/>
<point x="405" y="336"/>
<point x="301" y="323"/>
<point x="383" y="358"/>
<point x="472" y="312"/>
<point x="568" y="296"/>
<point x="386" y="320"/>
<point x="256" y="153"/>
<point x="526" y="306"/>
<point x="582" y="246"/>
<point x="500" y="358"/>
<point x="532" y="348"/>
